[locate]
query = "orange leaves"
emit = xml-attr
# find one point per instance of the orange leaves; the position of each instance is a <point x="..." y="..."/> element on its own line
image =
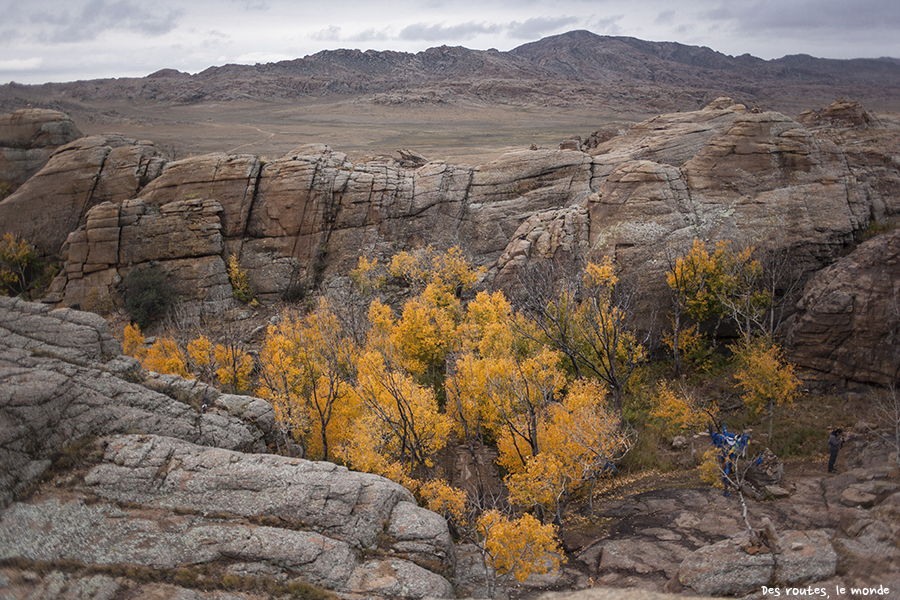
<point x="445" y="500"/>
<point x="402" y="423"/>
<point x="164" y="356"/>
<point x="580" y="438"/>
<point x="518" y="547"/>
<point x="305" y="372"/>
<point x="682" y="409"/>
<point x="17" y="258"/>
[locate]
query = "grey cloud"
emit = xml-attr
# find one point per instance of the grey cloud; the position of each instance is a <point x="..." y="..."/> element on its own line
<point x="252" y="5"/>
<point x="666" y="16"/>
<point x="328" y="34"/>
<point x="368" y="35"/>
<point x="435" y="33"/>
<point x="608" y="26"/>
<point x="334" y="33"/>
<point x="538" y="27"/>
<point x="99" y="16"/>
<point x="836" y="15"/>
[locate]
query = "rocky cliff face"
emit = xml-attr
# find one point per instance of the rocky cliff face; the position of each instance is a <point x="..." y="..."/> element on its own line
<point x="721" y="173"/>
<point x="27" y="139"/>
<point x="175" y="475"/>
<point x="847" y="327"/>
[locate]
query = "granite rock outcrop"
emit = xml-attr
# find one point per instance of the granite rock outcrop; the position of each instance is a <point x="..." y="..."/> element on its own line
<point x="174" y="476"/>
<point x="721" y="173"/>
<point x="77" y="177"/>
<point x="28" y="137"/>
<point x="847" y="327"/>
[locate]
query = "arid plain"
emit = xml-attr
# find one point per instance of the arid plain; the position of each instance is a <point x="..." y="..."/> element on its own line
<point x="460" y="133"/>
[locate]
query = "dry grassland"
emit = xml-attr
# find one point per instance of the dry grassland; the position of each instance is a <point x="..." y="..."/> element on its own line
<point x="468" y="134"/>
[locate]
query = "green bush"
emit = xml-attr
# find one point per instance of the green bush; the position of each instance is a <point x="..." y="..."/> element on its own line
<point x="148" y="295"/>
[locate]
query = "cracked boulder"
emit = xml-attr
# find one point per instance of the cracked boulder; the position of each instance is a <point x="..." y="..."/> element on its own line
<point x="735" y="567"/>
<point x="63" y="377"/>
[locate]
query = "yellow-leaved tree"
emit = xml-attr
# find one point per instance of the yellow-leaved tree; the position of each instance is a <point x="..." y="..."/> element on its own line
<point x="425" y="333"/>
<point x="401" y="428"/>
<point x="766" y="378"/>
<point x="740" y="289"/>
<point x="515" y="548"/>
<point x="691" y="278"/>
<point x="591" y="323"/>
<point x="307" y="366"/>
<point x="165" y="356"/>
<point x="18" y="261"/>
<point x="227" y="364"/>
<point x="581" y="440"/>
<point x="683" y="410"/>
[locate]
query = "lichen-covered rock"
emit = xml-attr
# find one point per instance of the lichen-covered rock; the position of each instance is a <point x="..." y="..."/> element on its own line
<point x="735" y="567"/>
<point x="103" y="534"/>
<point x="804" y="556"/>
<point x="183" y="492"/>
<point x="63" y="377"/>
<point x="344" y="504"/>
<point x="724" y="569"/>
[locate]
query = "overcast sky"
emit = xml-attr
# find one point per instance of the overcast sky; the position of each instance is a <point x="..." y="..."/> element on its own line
<point x="67" y="40"/>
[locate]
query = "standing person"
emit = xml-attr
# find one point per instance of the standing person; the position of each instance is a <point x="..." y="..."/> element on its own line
<point x="835" y="441"/>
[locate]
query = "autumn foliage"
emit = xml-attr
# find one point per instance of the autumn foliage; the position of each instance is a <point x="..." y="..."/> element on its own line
<point x="543" y="380"/>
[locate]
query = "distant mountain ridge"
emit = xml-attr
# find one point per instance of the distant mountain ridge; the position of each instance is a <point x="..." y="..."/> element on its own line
<point x="576" y="68"/>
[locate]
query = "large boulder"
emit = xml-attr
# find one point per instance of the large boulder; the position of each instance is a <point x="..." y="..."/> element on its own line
<point x="27" y="139"/>
<point x="183" y="239"/>
<point x="737" y="567"/>
<point x="78" y="176"/>
<point x="847" y="327"/>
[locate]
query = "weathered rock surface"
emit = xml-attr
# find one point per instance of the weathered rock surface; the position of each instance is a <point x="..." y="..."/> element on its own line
<point x="669" y="538"/>
<point x="735" y="567"/>
<point x="345" y="505"/>
<point x="27" y="139"/>
<point x="183" y="238"/>
<point x="185" y="491"/>
<point x="78" y="176"/>
<point x="848" y="321"/>
<point x="63" y="377"/>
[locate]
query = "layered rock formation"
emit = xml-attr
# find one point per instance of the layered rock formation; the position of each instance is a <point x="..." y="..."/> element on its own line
<point x="178" y="478"/>
<point x="722" y="173"/>
<point x="78" y="176"/>
<point x="27" y="139"/>
<point x="847" y="327"/>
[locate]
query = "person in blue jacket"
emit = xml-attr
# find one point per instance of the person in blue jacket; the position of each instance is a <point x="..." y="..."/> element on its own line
<point x="731" y="447"/>
<point x="835" y="441"/>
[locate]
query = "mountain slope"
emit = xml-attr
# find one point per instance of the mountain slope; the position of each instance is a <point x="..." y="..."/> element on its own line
<point x="576" y="68"/>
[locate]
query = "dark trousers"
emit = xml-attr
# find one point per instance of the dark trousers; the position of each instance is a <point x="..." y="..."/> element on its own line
<point x="832" y="459"/>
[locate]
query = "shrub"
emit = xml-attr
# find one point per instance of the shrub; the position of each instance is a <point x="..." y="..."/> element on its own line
<point x="240" y="281"/>
<point x="18" y="265"/>
<point x="148" y="295"/>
